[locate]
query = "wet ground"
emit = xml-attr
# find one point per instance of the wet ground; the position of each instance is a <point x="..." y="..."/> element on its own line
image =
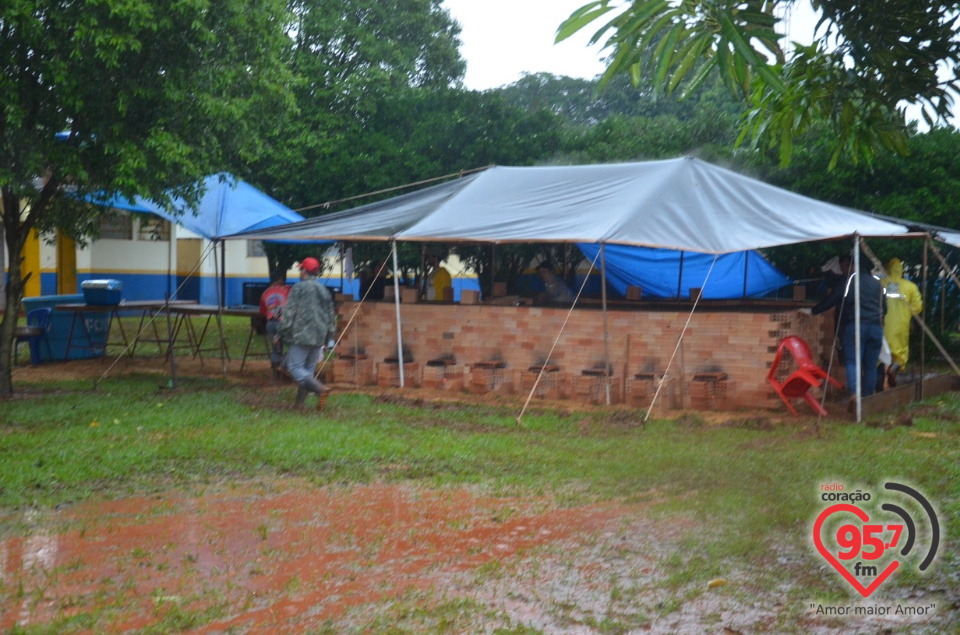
<point x="265" y="557"/>
<point x="285" y="556"/>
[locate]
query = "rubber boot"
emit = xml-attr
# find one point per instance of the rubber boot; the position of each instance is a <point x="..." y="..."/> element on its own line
<point x="302" y="391"/>
<point x="316" y="387"/>
<point x="311" y="384"/>
<point x="275" y="370"/>
<point x="892" y="374"/>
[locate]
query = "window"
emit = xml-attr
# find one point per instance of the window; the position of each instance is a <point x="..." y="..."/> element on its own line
<point x="154" y="229"/>
<point x="116" y="226"/>
<point x="255" y="249"/>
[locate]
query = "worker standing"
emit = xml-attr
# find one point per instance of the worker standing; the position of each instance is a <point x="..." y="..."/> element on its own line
<point x="272" y="301"/>
<point x="903" y="301"/>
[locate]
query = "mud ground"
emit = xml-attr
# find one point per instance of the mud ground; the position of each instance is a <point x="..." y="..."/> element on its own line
<point x="283" y="556"/>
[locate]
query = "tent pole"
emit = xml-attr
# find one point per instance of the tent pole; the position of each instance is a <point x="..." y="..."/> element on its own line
<point x="923" y="334"/>
<point x="746" y="267"/>
<point x="858" y="358"/>
<point x="223" y="272"/>
<point x="680" y="278"/>
<point x="680" y="344"/>
<point x="221" y="293"/>
<point x="423" y="267"/>
<point x="606" y="331"/>
<point x="171" y="256"/>
<point x="170" y="347"/>
<point x="943" y="297"/>
<point x="493" y="267"/>
<point x="396" y="304"/>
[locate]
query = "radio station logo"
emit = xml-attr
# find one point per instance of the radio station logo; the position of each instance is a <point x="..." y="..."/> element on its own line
<point x="867" y="545"/>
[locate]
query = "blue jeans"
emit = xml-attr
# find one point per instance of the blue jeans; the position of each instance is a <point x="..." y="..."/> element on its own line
<point x="276" y="350"/>
<point x="302" y="361"/>
<point x="871" y="341"/>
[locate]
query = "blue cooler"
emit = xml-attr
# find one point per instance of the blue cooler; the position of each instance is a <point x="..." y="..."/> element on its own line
<point x="58" y="333"/>
<point x="104" y="292"/>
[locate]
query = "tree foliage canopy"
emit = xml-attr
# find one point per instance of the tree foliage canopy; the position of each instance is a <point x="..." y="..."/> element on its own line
<point x="348" y="59"/>
<point x="868" y="60"/>
<point x="580" y="102"/>
<point x="145" y="95"/>
<point x="131" y="98"/>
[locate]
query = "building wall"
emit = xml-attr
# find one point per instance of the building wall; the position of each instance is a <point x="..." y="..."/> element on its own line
<point x="740" y="342"/>
<point x="182" y="266"/>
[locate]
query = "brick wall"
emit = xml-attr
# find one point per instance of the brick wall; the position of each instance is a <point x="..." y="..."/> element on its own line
<point x="737" y="344"/>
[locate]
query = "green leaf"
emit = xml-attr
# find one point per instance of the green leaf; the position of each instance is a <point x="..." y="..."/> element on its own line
<point x="665" y="53"/>
<point x="708" y="67"/>
<point x="690" y="56"/>
<point x="734" y="35"/>
<point x="639" y="17"/>
<point x="786" y="146"/>
<point x="740" y="72"/>
<point x="575" y="22"/>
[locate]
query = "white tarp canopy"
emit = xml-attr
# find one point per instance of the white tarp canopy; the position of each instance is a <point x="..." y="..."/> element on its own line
<point x="951" y="238"/>
<point x="683" y="204"/>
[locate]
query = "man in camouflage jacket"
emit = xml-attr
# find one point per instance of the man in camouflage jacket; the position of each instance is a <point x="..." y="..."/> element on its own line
<point x="307" y="326"/>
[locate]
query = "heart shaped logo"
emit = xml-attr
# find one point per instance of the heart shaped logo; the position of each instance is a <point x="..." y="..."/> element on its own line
<point x="854" y="546"/>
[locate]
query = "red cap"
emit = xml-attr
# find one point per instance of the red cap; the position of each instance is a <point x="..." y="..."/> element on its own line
<point x="310" y="265"/>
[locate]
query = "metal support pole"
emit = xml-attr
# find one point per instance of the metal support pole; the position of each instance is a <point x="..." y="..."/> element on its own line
<point x="493" y="267"/>
<point x="606" y="332"/>
<point x="923" y="334"/>
<point x="680" y="279"/>
<point x="223" y="273"/>
<point x="858" y="358"/>
<point x="746" y="267"/>
<point x="221" y="300"/>
<point x="396" y="303"/>
<point x="423" y="267"/>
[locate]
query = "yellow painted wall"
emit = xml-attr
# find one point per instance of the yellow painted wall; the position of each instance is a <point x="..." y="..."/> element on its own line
<point x="31" y="265"/>
<point x="188" y="256"/>
<point x="66" y="264"/>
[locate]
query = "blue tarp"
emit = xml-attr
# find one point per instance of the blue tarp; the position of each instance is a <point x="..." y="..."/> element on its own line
<point x="657" y="272"/>
<point x="229" y="206"/>
<point x="122" y="202"/>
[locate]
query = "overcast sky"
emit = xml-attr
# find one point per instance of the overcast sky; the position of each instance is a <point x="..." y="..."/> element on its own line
<point x="502" y="39"/>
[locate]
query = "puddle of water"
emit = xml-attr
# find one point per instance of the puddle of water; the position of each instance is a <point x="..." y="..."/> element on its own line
<point x="288" y="557"/>
<point x="270" y="557"/>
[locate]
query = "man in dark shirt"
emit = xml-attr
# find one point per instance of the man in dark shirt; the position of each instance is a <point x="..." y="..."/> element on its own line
<point x="872" y="309"/>
<point x="272" y="301"/>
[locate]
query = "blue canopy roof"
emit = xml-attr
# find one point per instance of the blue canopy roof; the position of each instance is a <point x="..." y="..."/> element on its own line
<point x="229" y="206"/>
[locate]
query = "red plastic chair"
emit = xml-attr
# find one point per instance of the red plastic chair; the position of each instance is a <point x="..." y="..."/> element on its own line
<point x="799" y="382"/>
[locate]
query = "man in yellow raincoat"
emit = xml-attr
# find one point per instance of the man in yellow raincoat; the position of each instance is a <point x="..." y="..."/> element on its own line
<point x="903" y="299"/>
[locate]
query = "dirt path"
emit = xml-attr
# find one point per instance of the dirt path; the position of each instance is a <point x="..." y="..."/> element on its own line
<point x="286" y="557"/>
<point x="283" y="556"/>
<point x="265" y="557"/>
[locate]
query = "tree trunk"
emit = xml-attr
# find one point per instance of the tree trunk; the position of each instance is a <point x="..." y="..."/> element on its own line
<point x="3" y="277"/>
<point x="15" y="240"/>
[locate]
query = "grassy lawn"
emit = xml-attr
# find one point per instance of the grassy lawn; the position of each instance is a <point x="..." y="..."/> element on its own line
<point x="751" y="487"/>
<point x="73" y="441"/>
<point x="130" y="436"/>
